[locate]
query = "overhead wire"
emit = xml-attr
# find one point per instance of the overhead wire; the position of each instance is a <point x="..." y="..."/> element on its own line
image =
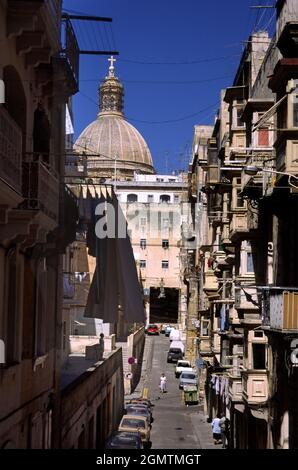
<point x="159" y="122"/>
<point x="164" y="82"/>
<point x="185" y="62"/>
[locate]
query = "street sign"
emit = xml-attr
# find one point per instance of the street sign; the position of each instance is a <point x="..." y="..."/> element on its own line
<point x="199" y="363"/>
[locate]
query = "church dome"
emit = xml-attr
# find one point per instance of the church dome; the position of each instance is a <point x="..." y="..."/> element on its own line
<point x="110" y="136"/>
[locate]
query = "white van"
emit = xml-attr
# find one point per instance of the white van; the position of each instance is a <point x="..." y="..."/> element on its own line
<point x="177" y="345"/>
<point x="175" y="335"/>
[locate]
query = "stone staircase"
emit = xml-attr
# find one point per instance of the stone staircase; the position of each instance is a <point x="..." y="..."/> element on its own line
<point x="123" y="345"/>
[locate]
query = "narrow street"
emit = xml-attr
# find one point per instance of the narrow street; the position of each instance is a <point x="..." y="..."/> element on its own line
<point x="175" y="425"/>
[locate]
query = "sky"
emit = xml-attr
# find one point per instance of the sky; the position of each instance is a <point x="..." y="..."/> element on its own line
<point x="174" y="58"/>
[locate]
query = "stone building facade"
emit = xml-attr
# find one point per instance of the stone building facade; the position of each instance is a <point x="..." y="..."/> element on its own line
<point x="246" y="248"/>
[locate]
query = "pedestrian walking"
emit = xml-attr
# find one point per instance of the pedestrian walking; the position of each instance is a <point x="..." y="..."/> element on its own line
<point x="216" y="430"/>
<point x="162" y="383"/>
<point x="225" y="430"/>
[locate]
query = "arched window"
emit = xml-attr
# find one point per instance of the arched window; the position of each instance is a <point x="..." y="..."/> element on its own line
<point x="165" y="198"/>
<point x="132" y="198"/>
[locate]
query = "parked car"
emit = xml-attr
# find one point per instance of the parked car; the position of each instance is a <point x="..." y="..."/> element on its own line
<point x="141" y="401"/>
<point x="152" y="330"/>
<point x="168" y="330"/>
<point x="182" y="366"/>
<point x="134" y="423"/>
<point x="124" y="440"/>
<point x="174" y="355"/>
<point x="137" y="409"/>
<point x="188" y="378"/>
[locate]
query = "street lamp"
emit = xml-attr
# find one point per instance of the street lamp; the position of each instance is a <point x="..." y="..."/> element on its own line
<point x="252" y="170"/>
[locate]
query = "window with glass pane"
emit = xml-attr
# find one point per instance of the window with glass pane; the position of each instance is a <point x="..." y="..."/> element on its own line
<point x="240" y="200"/>
<point x="165" y="198"/>
<point x="164" y="264"/>
<point x="263" y="137"/>
<point x="258" y="356"/>
<point x="250" y="263"/>
<point x="132" y="198"/>
<point x="143" y="243"/>
<point x="142" y="263"/>
<point x="239" y="114"/>
<point x="176" y="198"/>
<point x="165" y="244"/>
<point x="150" y="198"/>
<point x="205" y="328"/>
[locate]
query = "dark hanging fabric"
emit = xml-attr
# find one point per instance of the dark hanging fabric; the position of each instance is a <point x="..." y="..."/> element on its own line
<point x="115" y="282"/>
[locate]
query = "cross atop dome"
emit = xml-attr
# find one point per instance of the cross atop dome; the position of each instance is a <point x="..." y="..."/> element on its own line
<point x="111" y="67"/>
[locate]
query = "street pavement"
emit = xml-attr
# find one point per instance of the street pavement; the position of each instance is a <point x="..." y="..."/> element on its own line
<point x="175" y="425"/>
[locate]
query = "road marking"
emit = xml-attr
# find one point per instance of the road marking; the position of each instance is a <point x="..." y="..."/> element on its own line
<point x="145" y="392"/>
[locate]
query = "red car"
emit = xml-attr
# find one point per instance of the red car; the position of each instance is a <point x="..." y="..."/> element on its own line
<point x="152" y="330"/>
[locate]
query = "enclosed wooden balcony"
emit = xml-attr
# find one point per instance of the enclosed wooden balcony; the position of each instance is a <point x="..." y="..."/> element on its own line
<point x="280" y="310"/>
<point x="211" y="282"/>
<point x="287" y="152"/>
<point x="204" y="346"/>
<point x="235" y="386"/>
<point x="238" y="225"/>
<point x="10" y="152"/>
<point x="255" y="386"/>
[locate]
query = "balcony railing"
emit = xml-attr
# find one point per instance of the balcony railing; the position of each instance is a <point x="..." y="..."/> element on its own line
<point x="70" y="51"/>
<point x="10" y="151"/>
<point x="280" y="309"/>
<point x="40" y="187"/>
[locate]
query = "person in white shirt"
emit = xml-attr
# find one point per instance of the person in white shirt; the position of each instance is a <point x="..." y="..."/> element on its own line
<point x="162" y="383"/>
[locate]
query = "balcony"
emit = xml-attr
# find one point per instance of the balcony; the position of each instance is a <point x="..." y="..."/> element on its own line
<point x="246" y="298"/>
<point x="235" y="386"/>
<point x="10" y="151"/>
<point x="287" y="27"/>
<point x="287" y="154"/>
<point x="252" y="185"/>
<point x="255" y="386"/>
<point x="36" y="26"/>
<point x="41" y="189"/>
<point x="238" y="226"/>
<point x="205" y="346"/>
<point x="211" y="284"/>
<point x="69" y="56"/>
<point x="280" y="310"/>
<point x="216" y="342"/>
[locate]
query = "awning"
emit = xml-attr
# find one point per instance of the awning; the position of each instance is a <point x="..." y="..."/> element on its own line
<point x="239" y="408"/>
<point x="268" y="114"/>
<point x="260" y="414"/>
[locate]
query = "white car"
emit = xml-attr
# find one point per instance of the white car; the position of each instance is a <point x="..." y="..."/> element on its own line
<point x="182" y="366"/>
<point x="188" y="378"/>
